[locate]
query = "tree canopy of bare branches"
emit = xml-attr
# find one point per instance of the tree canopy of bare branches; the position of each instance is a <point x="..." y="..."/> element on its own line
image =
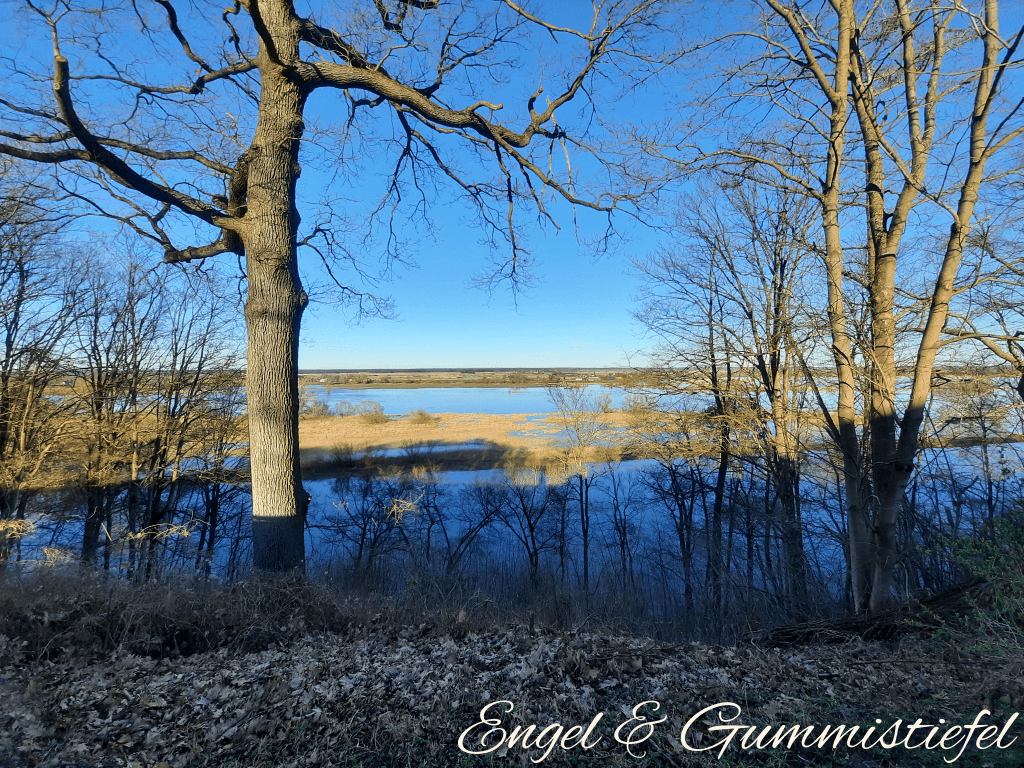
<point x="897" y="119"/>
<point x="187" y="122"/>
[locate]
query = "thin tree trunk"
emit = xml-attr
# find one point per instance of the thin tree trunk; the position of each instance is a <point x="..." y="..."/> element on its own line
<point x="94" y="516"/>
<point x="585" y="530"/>
<point x="715" y="527"/>
<point x="792" y="536"/>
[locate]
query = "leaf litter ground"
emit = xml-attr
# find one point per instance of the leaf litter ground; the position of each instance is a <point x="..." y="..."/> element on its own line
<point x="377" y="695"/>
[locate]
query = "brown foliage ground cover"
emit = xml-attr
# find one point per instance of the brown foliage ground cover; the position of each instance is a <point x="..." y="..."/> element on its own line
<point x="297" y="675"/>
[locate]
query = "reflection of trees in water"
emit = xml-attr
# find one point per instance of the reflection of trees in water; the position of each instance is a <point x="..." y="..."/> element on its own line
<point x="517" y="539"/>
<point x="203" y="527"/>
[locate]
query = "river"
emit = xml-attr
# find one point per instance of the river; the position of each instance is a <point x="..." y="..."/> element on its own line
<point x="491" y="400"/>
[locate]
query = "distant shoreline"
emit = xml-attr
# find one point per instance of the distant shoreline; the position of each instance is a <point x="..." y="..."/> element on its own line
<point x="440" y="385"/>
<point x="492" y="378"/>
<point x="466" y="370"/>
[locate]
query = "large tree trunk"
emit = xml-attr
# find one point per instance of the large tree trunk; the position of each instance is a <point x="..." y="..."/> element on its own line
<point x="893" y="456"/>
<point x="273" y="309"/>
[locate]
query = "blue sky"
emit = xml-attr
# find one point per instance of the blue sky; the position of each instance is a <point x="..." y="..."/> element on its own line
<point x="576" y="314"/>
<point x="577" y="311"/>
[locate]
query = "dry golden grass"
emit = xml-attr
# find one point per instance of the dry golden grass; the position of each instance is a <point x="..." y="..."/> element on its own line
<point x="491" y="440"/>
<point x="326" y="433"/>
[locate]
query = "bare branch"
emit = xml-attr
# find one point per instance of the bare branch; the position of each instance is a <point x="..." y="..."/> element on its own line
<point x="99" y="155"/>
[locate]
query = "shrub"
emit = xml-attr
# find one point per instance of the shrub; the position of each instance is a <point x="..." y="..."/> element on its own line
<point x="343" y="453"/>
<point x="309" y="406"/>
<point x="57" y="614"/>
<point x="317" y="409"/>
<point x="998" y="560"/>
<point x="371" y="412"/>
<point x="639" y="403"/>
<point x="421" y="416"/>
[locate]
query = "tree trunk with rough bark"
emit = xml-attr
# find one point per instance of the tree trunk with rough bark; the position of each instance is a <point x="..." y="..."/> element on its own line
<point x="273" y="310"/>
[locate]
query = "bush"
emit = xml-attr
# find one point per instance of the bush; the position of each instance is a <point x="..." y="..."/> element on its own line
<point x="422" y="416"/>
<point x="364" y="408"/>
<point x="309" y="406"/>
<point x="343" y="453"/>
<point x="79" y="613"/>
<point x="371" y="412"/>
<point x="1000" y="562"/>
<point x="317" y="409"/>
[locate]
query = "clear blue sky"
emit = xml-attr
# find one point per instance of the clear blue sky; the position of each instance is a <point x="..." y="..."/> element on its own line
<point x="577" y="311"/>
<point x="576" y="314"/>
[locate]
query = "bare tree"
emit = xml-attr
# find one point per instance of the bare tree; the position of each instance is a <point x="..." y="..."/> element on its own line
<point x="995" y="304"/>
<point x="195" y="357"/>
<point x="368" y="517"/>
<point x="185" y="131"/>
<point x="584" y="432"/>
<point x="113" y="336"/>
<point x="893" y="117"/>
<point x="673" y="437"/>
<point x="741" y="251"/>
<point x="697" y="362"/>
<point x="622" y="494"/>
<point x="521" y="503"/>
<point x="220" y="475"/>
<point x="448" y="526"/>
<point x="37" y="304"/>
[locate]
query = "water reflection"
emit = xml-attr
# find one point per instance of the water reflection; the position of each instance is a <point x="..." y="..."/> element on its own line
<point x="489" y="400"/>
